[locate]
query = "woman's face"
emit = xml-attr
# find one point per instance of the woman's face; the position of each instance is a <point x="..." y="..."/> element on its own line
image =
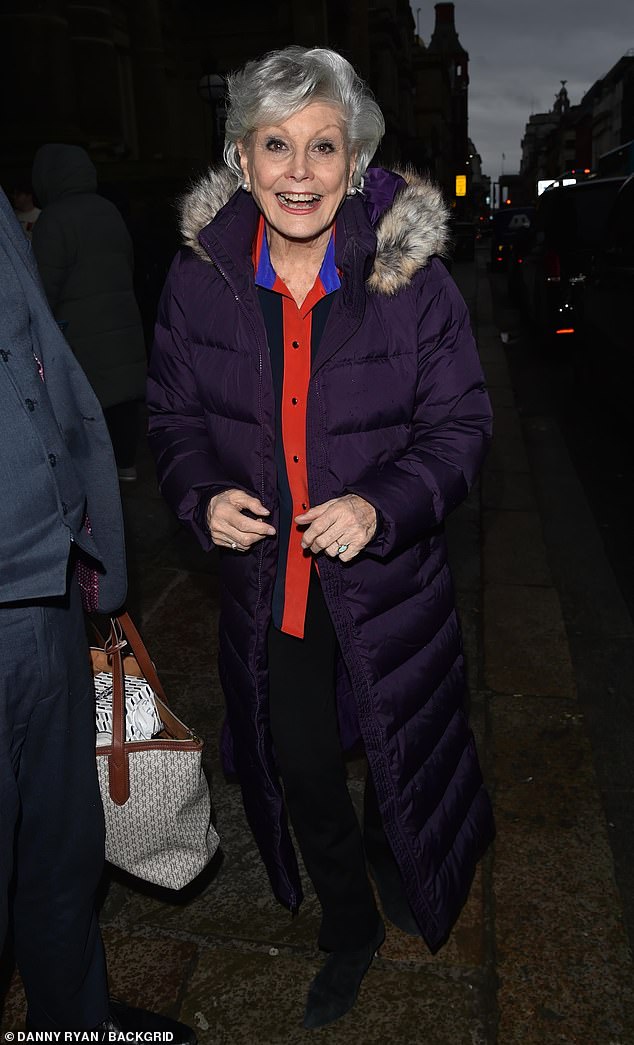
<point x="299" y="171"/>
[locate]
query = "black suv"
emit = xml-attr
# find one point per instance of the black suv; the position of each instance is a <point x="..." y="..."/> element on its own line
<point x="607" y="357"/>
<point x="511" y="228"/>
<point x="549" y="277"/>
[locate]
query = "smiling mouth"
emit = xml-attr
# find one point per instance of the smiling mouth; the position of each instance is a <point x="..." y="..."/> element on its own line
<point x="299" y="201"/>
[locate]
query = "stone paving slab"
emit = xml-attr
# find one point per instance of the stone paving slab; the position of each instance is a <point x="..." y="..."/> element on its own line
<point x="508" y="452"/>
<point x="514" y="551"/>
<point x="508" y="491"/>
<point x="148" y="972"/>
<point x="468" y="605"/>
<point x="587" y="583"/>
<point x="463" y="536"/>
<point x="182" y="629"/>
<point x="237" y="903"/>
<point x="611" y="663"/>
<point x="239" y="997"/>
<point x="564" y="968"/>
<point x="619" y="806"/>
<point x="525" y="644"/>
<point x="14" y="1006"/>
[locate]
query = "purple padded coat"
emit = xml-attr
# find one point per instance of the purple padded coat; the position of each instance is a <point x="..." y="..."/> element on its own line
<point x="398" y="413"/>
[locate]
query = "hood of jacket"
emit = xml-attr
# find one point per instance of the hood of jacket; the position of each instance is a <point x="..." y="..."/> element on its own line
<point x="407" y="212"/>
<point x="62" y="169"/>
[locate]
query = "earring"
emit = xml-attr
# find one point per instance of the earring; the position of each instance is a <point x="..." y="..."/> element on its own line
<point x="353" y="189"/>
<point x="245" y="186"/>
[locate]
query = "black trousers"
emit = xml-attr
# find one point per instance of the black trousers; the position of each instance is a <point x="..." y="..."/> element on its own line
<point x="310" y="758"/>
<point x="51" y="818"/>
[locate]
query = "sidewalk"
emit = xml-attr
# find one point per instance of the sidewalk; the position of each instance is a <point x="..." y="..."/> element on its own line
<point x="539" y="954"/>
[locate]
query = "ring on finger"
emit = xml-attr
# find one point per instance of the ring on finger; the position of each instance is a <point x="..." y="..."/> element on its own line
<point x="233" y="546"/>
<point x="342" y="548"/>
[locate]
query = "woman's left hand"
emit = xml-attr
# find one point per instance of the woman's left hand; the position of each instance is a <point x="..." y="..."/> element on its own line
<point x="347" y="523"/>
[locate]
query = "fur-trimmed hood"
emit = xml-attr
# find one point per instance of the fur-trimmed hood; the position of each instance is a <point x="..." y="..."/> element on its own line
<point x="410" y="218"/>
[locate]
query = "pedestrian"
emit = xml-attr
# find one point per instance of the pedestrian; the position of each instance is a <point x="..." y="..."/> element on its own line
<point x="61" y="512"/>
<point x="317" y="408"/>
<point x="26" y="210"/>
<point x="85" y="257"/>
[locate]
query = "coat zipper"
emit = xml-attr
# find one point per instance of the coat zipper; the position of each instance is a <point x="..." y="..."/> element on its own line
<point x="293" y="897"/>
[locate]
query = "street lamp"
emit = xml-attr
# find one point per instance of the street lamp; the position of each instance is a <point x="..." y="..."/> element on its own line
<point x="212" y="88"/>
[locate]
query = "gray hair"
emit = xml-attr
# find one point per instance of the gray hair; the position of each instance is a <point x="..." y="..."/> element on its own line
<point x="270" y="89"/>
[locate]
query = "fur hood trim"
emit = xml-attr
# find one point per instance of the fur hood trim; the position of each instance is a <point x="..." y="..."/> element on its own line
<point x="200" y="204"/>
<point x="409" y="233"/>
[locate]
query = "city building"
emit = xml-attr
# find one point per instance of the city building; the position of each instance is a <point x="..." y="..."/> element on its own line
<point x="136" y="83"/>
<point x="593" y="136"/>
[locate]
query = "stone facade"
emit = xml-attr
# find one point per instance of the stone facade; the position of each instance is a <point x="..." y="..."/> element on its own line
<point x="121" y="77"/>
<point x="577" y="136"/>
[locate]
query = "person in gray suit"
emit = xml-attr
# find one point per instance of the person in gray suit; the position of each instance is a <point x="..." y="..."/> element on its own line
<point x="61" y="524"/>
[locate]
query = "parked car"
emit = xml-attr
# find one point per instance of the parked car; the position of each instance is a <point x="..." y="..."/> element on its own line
<point x="547" y="277"/>
<point x="606" y="358"/>
<point x="463" y="235"/>
<point x="511" y="226"/>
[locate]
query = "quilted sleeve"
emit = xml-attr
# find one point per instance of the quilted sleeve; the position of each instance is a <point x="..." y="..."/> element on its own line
<point x="451" y="426"/>
<point x="187" y="468"/>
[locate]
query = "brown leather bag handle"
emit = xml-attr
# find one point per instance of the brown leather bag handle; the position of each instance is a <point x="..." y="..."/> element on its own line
<point x="118" y="772"/>
<point x="142" y="656"/>
<point x="123" y="632"/>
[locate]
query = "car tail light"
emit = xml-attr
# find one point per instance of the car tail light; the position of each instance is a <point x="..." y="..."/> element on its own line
<point x="552" y="266"/>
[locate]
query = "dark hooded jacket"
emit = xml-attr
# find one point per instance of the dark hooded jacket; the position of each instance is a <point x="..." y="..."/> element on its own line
<point x="397" y="412"/>
<point x="85" y="258"/>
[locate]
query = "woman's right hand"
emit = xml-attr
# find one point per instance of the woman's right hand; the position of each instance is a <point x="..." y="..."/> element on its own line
<point x="230" y="527"/>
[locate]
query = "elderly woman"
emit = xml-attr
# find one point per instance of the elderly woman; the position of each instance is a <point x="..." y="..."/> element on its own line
<point x="316" y="409"/>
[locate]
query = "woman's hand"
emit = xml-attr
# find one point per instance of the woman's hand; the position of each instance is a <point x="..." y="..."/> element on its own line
<point x="346" y="522"/>
<point x="230" y="527"/>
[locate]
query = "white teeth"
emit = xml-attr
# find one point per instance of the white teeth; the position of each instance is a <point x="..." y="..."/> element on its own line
<point x="299" y="197"/>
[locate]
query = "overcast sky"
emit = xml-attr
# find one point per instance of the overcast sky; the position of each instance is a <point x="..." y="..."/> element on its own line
<point x="519" y="50"/>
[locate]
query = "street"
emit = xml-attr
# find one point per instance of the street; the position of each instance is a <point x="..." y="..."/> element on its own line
<point x="588" y="532"/>
<point x="541" y="952"/>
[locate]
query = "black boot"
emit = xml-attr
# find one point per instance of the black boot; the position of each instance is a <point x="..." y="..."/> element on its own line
<point x="334" y="990"/>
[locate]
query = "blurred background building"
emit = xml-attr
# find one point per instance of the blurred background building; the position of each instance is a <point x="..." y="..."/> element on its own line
<point x="138" y="82"/>
<point x="596" y="136"/>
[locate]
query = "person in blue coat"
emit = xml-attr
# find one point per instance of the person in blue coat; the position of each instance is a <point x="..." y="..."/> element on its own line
<point x="62" y="531"/>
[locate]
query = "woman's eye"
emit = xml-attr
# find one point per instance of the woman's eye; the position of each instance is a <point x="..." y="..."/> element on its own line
<point x="275" y="145"/>
<point x="325" y="147"/>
